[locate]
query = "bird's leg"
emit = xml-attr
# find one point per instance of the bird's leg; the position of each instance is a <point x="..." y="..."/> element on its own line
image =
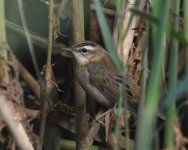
<point x="98" y="118"/>
<point x="101" y="111"/>
<point x="104" y="116"/>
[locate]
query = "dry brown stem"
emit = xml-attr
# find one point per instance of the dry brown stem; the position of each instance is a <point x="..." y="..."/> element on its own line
<point x="13" y="121"/>
<point x="80" y="101"/>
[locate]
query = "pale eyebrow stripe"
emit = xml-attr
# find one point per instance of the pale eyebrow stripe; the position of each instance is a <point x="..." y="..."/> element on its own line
<point x="88" y="47"/>
<point x="89" y="43"/>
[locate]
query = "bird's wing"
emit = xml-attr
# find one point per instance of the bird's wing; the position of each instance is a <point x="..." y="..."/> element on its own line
<point x="106" y="82"/>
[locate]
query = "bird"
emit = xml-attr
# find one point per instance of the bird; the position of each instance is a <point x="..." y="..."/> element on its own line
<point x="98" y="75"/>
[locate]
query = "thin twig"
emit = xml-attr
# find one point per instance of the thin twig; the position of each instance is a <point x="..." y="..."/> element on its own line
<point x="87" y="142"/>
<point x="32" y="83"/>
<point x="48" y="77"/>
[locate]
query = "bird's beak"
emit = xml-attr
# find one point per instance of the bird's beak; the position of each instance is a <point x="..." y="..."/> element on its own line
<point x="67" y="52"/>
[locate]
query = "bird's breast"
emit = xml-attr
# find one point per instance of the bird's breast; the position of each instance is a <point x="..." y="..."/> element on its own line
<point x="82" y="75"/>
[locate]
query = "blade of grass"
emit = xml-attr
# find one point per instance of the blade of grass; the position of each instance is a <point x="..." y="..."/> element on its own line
<point x="145" y="69"/>
<point x="177" y="92"/>
<point x="147" y="118"/>
<point x="111" y="47"/>
<point x="28" y="38"/>
<point x="146" y="16"/>
<point x="3" y="51"/>
<point x="186" y="31"/>
<point x="120" y="10"/>
<point x="154" y="20"/>
<point x="107" y="35"/>
<point x="169" y="139"/>
<point x="4" y="75"/>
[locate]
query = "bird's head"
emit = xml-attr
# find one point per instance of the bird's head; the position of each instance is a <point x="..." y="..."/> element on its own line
<point x="86" y="52"/>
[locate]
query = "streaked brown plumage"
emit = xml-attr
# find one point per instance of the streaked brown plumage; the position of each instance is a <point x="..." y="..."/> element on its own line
<point x="99" y="77"/>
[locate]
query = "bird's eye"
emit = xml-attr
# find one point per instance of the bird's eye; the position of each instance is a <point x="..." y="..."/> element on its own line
<point x="84" y="50"/>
